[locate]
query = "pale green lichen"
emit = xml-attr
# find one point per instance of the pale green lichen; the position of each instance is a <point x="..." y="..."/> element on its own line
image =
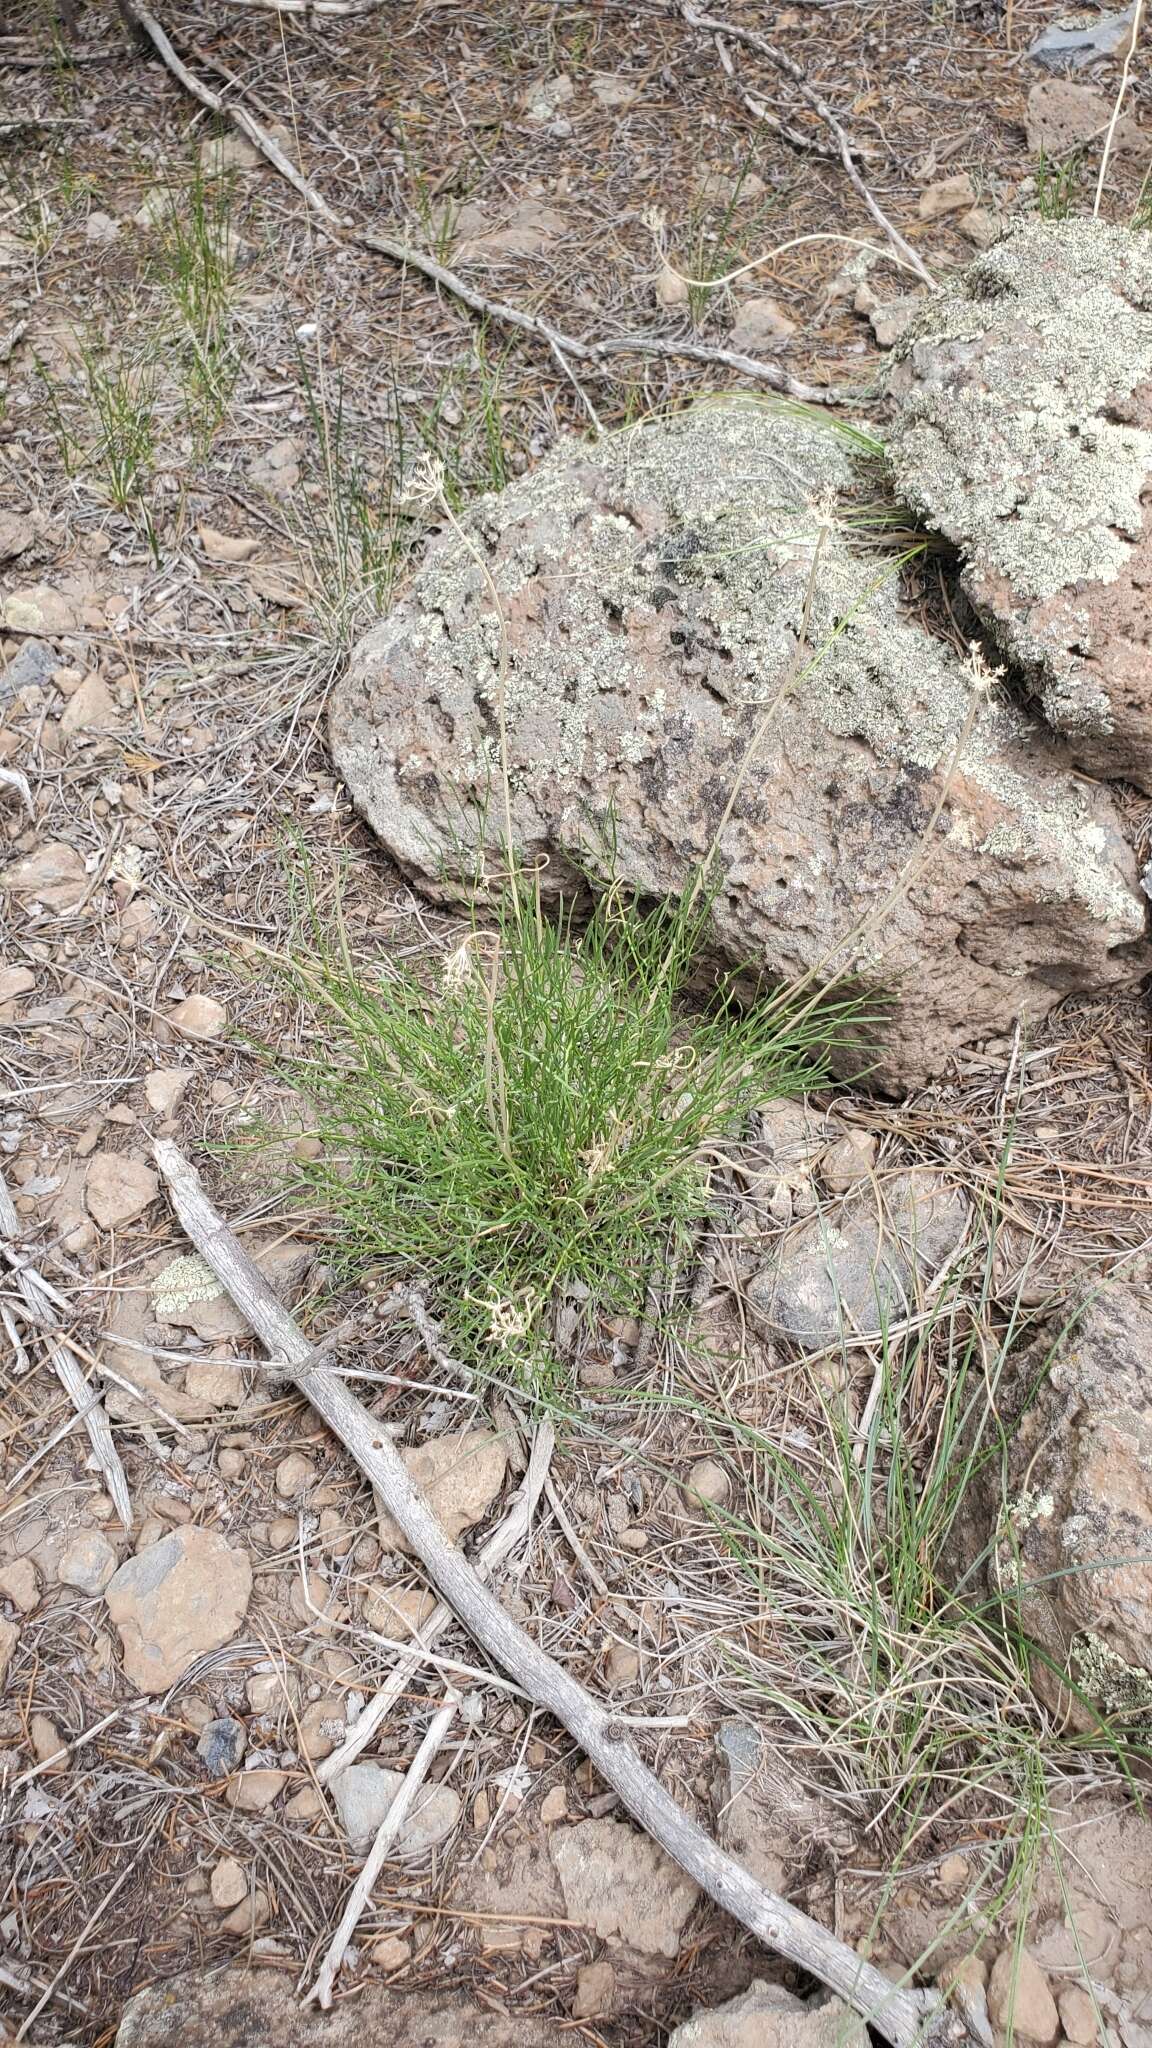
<point x="1008" y="439"/>
<point x="1117" y="1689"/>
<point x="186" y="1280"/>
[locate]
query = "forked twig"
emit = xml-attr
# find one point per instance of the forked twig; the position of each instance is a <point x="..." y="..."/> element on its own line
<point x="386" y="1834"/>
<point x="788" y="65"/>
<point x="564" y="345"/>
<point x="903" y="2016"/>
<point x="37" y="1299"/>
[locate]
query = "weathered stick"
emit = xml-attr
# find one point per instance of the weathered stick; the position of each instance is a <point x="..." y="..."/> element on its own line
<point x="500" y="1544"/>
<point x="782" y="62"/>
<point x="564" y="345"/>
<point x="386" y="1834"/>
<point x="902" y="2015"/>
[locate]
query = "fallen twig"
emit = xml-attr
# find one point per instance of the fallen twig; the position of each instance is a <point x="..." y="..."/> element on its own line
<point x="386" y="1834"/>
<point x="500" y="1545"/>
<point x="566" y="346"/>
<point x="38" y="1300"/>
<point x="788" y="65"/>
<point x="902" y="2015"/>
<point x="1110" y="137"/>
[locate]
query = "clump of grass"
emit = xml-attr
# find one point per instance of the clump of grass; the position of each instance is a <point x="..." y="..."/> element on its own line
<point x="463" y="429"/>
<point x="538" y="1124"/>
<point x="899" y="1665"/>
<point x="714" y="251"/>
<point x="1057" y="183"/>
<point x="352" y="526"/>
<point x="195" y="268"/>
<point x="122" y="393"/>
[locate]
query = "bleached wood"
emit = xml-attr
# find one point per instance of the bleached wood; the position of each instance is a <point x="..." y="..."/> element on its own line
<point x="502" y="1542"/>
<point x="902" y="2015"/>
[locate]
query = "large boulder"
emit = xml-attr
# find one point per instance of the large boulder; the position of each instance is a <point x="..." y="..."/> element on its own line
<point x="1023" y="432"/>
<point x="693" y="648"/>
<point x="1074" y="1553"/>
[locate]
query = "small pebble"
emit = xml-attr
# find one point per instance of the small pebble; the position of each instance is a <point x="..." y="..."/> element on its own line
<point x="229" y="1884"/>
<point x="1078" y="2016"/>
<point x="621" y="1665"/>
<point x="254" y="1791"/>
<point x="304" y="1805"/>
<point x="293" y="1475"/>
<point x="390" y="1953"/>
<point x="221" y="1746"/>
<point x="46" y="1741"/>
<point x="231" y="1464"/>
<point x="707" y="1481"/>
<point x="554" y="1806"/>
<point x="87" y="1562"/>
<point x="251" y="1913"/>
<point x="20" y="1583"/>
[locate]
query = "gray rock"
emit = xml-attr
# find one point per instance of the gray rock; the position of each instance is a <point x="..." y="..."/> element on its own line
<point x="238" y="2008"/>
<point x="87" y="1563"/>
<point x="1069" y="44"/>
<point x="766" y="2016"/>
<point x="34" y="662"/>
<point x="874" y="812"/>
<point x="363" y="1794"/>
<point x="1024" y="433"/>
<point x="1076" y="1549"/>
<point x="221" y="1747"/>
<point x="860" y="1266"/>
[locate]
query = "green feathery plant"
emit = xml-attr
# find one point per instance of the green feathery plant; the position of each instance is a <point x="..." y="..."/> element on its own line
<point x="530" y="1127"/>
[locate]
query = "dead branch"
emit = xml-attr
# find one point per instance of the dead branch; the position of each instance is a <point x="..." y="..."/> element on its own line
<point x="567" y="346"/>
<point x="503" y="1540"/>
<point x="788" y="66"/>
<point x="903" y="2016"/>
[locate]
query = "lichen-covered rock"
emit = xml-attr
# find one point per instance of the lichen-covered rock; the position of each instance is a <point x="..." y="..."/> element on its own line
<point x="1075" y="1551"/>
<point x="1024" y="433"/>
<point x="690" y="649"/>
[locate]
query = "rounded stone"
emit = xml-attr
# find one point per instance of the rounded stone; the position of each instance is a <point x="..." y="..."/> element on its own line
<point x="228" y="1884"/>
<point x="707" y="1481"/>
<point x="294" y="1474"/>
<point x="87" y="1563"/>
